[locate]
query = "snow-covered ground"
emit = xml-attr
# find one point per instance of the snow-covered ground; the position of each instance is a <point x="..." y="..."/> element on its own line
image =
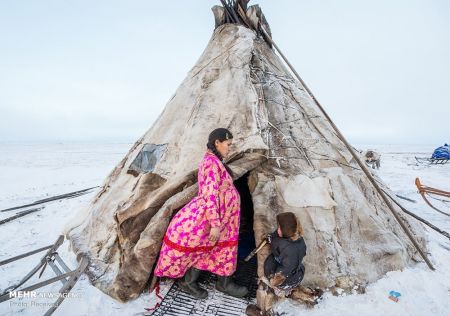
<point x="30" y="172"/>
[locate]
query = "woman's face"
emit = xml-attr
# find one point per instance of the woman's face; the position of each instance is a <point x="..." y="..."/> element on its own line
<point x="223" y="147"/>
<point x="280" y="234"/>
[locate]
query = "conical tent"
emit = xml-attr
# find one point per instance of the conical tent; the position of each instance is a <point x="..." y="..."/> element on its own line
<point x="285" y="148"/>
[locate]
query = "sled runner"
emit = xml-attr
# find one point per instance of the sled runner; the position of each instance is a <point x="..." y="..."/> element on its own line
<point x="424" y="191"/>
<point x="51" y="258"/>
<point x="432" y="161"/>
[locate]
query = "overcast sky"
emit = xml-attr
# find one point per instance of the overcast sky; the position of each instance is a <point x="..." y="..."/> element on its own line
<point x="104" y="70"/>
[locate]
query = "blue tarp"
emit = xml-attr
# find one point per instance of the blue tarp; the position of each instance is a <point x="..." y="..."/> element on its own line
<point x="442" y="152"/>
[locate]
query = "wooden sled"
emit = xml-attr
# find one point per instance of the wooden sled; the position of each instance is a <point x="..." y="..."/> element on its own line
<point x="424" y="190"/>
<point x="51" y="258"/>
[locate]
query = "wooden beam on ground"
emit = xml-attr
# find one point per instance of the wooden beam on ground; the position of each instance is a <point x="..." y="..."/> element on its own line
<point x="53" y="198"/>
<point x="24" y="255"/>
<point x="18" y="215"/>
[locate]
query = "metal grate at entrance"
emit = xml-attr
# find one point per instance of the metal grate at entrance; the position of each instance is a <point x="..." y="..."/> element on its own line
<point x="176" y="302"/>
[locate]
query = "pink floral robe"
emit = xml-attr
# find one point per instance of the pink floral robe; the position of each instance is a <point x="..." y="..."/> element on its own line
<point x="186" y="242"/>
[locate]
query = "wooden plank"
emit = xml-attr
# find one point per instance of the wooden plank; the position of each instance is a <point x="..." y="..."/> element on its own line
<point x="5" y="297"/>
<point x="405" y="198"/>
<point x="56" y="270"/>
<point x="20" y="214"/>
<point x="43" y="261"/>
<point x="69" y="285"/>
<point x="24" y="255"/>
<point x="61" y="262"/>
<point x="54" y="198"/>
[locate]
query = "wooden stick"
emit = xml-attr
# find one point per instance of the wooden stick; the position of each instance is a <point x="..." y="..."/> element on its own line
<point x="20" y="214"/>
<point x="75" y="275"/>
<point x="431" y="205"/>
<point x="43" y="261"/>
<point x="405" y="198"/>
<point x="444" y="233"/>
<point x="24" y="255"/>
<point x="243" y="16"/>
<point x="424" y="188"/>
<point x="434" y="191"/>
<point x="5" y="297"/>
<point x="228" y="9"/>
<point x="422" y="192"/>
<point x="54" y="198"/>
<point x="255" y="251"/>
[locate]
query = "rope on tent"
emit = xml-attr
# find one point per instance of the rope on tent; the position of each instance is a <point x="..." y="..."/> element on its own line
<point x="267" y="37"/>
<point x="302" y="111"/>
<point x="301" y="149"/>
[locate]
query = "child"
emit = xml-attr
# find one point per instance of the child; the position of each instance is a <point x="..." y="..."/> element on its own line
<point x="283" y="267"/>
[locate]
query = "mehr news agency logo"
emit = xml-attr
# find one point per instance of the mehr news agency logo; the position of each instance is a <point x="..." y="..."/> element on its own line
<point x="34" y="294"/>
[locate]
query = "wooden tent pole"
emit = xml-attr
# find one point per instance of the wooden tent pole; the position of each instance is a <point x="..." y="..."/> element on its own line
<point x="341" y="137"/>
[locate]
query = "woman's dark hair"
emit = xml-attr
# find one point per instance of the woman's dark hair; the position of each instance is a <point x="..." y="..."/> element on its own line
<point x="220" y="134"/>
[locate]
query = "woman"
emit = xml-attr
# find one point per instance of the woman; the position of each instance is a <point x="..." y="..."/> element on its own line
<point x="203" y="235"/>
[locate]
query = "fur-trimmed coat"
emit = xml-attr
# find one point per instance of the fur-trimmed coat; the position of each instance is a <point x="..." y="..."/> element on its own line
<point x="284" y="267"/>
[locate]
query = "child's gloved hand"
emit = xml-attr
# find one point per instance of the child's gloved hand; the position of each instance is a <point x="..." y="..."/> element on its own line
<point x="277" y="279"/>
<point x="269" y="238"/>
